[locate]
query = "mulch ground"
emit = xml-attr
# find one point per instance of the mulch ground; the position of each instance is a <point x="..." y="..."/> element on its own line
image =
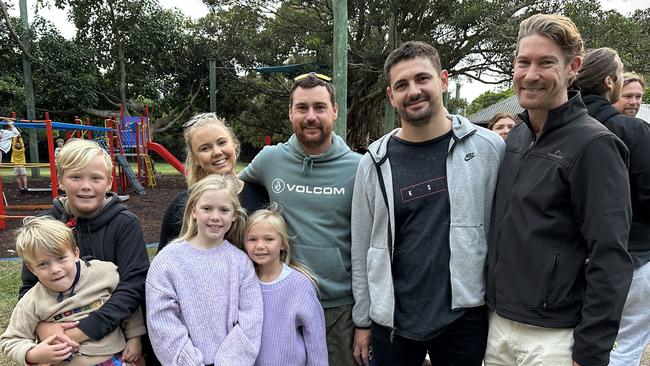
<point x="149" y="207"/>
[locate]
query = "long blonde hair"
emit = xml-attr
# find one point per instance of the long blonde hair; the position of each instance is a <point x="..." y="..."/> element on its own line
<point x="273" y="216"/>
<point x="217" y="182"/>
<point x="193" y="170"/>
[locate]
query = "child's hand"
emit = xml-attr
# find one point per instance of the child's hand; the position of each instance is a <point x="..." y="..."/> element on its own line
<point x="133" y="350"/>
<point x="47" y="329"/>
<point x="50" y="350"/>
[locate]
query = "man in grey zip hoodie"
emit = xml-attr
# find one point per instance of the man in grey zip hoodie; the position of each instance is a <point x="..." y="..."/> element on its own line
<point x="312" y="177"/>
<point x="420" y="213"/>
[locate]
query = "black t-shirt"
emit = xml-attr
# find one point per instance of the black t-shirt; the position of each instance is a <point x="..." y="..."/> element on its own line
<point x="421" y="251"/>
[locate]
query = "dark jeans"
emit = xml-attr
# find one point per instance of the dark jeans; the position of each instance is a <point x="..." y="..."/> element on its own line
<point x="461" y="344"/>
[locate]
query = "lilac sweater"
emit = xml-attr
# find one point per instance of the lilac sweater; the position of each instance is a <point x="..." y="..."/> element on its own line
<point x="294" y="324"/>
<point x="204" y="306"/>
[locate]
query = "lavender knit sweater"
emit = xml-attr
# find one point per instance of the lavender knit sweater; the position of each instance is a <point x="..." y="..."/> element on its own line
<point x="204" y="306"/>
<point x="294" y="324"/>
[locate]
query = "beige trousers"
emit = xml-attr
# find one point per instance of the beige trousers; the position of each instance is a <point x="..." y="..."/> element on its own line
<point x="512" y="343"/>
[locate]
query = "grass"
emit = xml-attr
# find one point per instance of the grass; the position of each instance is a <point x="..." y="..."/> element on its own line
<point x="9" y="285"/>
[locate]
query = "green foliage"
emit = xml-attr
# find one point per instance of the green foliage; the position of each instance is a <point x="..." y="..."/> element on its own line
<point x="487" y="99"/>
<point x="457" y="105"/>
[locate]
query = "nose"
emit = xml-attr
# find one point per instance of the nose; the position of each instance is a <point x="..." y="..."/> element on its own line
<point x="216" y="150"/>
<point x="311" y="114"/>
<point x="413" y="91"/>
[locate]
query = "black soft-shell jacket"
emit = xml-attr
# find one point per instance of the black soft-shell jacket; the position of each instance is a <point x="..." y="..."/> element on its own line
<point x="113" y="235"/>
<point x="557" y="244"/>
<point x="635" y="133"/>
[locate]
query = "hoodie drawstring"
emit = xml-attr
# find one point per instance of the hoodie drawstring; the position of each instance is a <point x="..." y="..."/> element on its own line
<point x="307" y="162"/>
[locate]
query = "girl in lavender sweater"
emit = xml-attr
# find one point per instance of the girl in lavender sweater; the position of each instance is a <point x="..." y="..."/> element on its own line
<point x="204" y="304"/>
<point x="294" y="324"/>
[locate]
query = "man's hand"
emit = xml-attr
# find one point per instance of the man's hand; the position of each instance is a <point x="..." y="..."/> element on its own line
<point x="50" y="350"/>
<point x="361" y="346"/>
<point x="76" y="334"/>
<point x="46" y="329"/>
<point x="133" y="350"/>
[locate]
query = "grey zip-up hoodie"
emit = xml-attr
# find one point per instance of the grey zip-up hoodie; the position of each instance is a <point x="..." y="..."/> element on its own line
<point x="473" y="160"/>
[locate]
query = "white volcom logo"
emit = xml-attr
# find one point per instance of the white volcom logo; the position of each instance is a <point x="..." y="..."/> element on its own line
<point x="278" y="186"/>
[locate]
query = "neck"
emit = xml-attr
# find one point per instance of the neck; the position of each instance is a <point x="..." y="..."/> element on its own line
<point x="269" y="272"/>
<point x="538" y="119"/>
<point x="320" y="149"/>
<point x="200" y="242"/>
<point x="435" y="127"/>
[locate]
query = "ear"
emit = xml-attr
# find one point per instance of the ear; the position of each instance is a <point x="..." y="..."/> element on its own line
<point x="29" y="267"/>
<point x="444" y="80"/>
<point x="76" y="254"/>
<point x="574" y="67"/>
<point x="335" y="108"/>
<point x="389" y="93"/>
<point x="290" y="115"/>
<point x="608" y="83"/>
<point x="60" y="183"/>
<point x="110" y="183"/>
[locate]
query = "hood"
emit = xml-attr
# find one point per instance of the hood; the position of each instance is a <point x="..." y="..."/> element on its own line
<point x="336" y="150"/>
<point x="111" y="208"/>
<point x="599" y="107"/>
<point x="461" y="127"/>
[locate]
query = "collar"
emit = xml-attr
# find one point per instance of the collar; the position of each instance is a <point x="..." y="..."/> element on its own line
<point x="74" y="283"/>
<point x="560" y="116"/>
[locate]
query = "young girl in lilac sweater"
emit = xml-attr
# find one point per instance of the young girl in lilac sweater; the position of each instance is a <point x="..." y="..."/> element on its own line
<point x="294" y="325"/>
<point x="204" y="304"/>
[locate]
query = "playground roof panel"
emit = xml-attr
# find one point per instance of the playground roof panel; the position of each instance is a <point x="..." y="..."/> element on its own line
<point x="58" y="126"/>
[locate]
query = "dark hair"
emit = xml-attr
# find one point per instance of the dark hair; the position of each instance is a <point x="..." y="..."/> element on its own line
<point x="499" y="116"/>
<point x="410" y="50"/>
<point x="598" y="64"/>
<point x="309" y="82"/>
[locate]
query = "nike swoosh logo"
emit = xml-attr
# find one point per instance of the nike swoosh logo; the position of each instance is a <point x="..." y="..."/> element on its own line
<point x="469" y="156"/>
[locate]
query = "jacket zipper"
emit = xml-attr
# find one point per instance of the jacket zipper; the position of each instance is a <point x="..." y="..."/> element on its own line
<point x="550" y="281"/>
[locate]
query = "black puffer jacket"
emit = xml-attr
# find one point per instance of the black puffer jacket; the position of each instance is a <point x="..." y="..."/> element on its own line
<point x="113" y="235"/>
<point x="635" y="133"/>
<point x="557" y="245"/>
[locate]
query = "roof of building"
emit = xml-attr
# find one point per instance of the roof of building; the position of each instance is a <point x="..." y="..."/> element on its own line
<point x="511" y="106"/>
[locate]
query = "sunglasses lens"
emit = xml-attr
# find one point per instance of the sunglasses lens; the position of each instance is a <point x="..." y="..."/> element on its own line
<point x="313" y="74"/>
<point x="199" y="117"/>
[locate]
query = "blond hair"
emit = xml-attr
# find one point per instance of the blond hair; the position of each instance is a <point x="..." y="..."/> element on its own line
<point x="217" y="182"/>
<point x="273" y="216"/>
<point x="77" y="154"/>
<point x="630" y="77"/>
<point x="193" y="170"/>
<point x="559" y="29"/>
<point x="46" y="234"/>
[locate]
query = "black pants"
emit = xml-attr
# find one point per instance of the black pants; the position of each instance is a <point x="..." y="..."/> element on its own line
<point x="461" y="344"/>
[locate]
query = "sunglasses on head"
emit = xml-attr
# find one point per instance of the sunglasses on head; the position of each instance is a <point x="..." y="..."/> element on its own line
<point x="313" y="75"/>
<point x="199" y="117"/>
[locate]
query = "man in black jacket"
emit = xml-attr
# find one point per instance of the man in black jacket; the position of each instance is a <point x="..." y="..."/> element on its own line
<point x="599" y="81"/>
<point x="558" y="270"/>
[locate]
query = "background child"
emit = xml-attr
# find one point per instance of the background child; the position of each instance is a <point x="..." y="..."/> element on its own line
<point x="204" y="304"/>
<point x="6" y="134"/>
<point x="294" y="323"/>
<point x="104" y="229"/>
<point x="68" y="290"/>
<point x="59" y="146"/>
<point x="18" y="158"/>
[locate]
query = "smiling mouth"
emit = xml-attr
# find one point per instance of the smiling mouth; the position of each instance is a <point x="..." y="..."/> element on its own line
<point x="220" y="161"/>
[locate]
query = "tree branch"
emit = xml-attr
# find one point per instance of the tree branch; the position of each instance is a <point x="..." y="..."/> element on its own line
<point x="12" y="33"/>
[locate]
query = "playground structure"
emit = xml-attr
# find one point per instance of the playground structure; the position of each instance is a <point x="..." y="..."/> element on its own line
<point x="126" y="137"/>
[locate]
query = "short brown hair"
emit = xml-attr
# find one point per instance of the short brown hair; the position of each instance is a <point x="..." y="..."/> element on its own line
<point x="46" y="234"/>
<point x="560" y="29"/>
<point x="630" y="77"/>
<point x="598" y="64"/>
<point x="410" y="50"/>
<point x="309" y="82"/>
